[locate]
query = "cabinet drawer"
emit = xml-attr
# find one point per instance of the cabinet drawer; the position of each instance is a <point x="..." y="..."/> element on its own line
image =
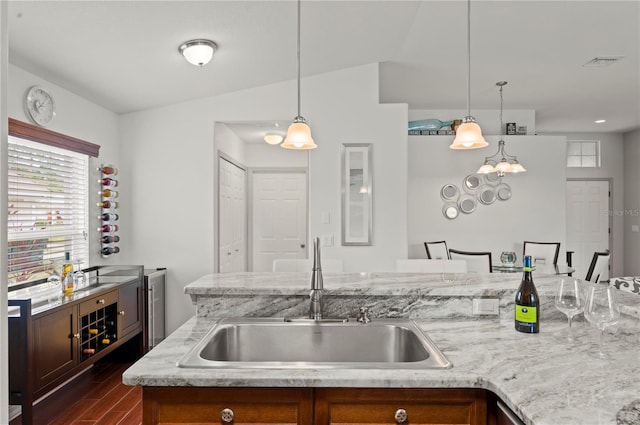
<point x="413" y="406"/>
<point x="98" y="302"/>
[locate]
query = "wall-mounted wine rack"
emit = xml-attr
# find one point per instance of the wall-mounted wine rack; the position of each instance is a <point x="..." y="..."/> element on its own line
<point x="109" y="205"/>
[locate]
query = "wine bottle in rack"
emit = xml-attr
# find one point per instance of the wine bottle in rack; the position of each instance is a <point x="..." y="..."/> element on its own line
<point x="107" y="181"/>
<point x="108" y="250"/>
<point x="108" y="193"/>
<point x="107" y="204"/>
<point x="108" y="217"/>
<point x="108" y="170"/>
<point x="108" y="228"/>
<point x="110" y="239"/>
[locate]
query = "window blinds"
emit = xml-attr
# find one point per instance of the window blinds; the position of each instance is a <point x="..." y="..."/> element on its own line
<point x="48" y="209"/>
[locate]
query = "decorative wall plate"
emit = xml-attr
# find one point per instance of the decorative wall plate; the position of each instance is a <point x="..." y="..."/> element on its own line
<point x="467" y="204"/>
<point x="471" y="183"/>
<point x="449" y="192"/>
<point x="450" y="210"/>
<point x="503" y="191"/>
<point x="486" y="194"/>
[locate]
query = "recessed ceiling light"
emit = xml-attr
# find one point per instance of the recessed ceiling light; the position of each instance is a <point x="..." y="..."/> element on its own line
<point x="600" y="121"/>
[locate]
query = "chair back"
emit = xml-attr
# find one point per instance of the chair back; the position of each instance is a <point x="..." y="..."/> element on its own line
<point x="437" y="250"/>
<point x="599" y="267"/>
<point x="306" y="265"/>
<point x="431" y="266"/>
<point x="542" y="252"/>
<point x="478" y="262"/>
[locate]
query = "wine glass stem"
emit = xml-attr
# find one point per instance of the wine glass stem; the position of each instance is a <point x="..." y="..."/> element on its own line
<point x="601" y="342"/>
<point x="570" y="332"/>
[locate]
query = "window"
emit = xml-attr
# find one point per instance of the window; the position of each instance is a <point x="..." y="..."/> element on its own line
<point x="583" y="153"/>
<point x="48" y="209"/>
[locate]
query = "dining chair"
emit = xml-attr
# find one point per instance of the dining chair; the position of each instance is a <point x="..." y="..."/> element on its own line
<point x="305" y="265"/>
<point x="477" y="261"/>
<point x="437" y="250"/>
<point x="431" y="266"/>
<point x="542" y="252"/>
<point x="599" y="266"/>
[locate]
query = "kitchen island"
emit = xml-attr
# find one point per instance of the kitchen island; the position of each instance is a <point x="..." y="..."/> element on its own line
<point x="543" y="378"/>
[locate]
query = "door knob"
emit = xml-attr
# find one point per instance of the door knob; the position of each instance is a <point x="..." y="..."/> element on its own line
<point x="302" y="245"/>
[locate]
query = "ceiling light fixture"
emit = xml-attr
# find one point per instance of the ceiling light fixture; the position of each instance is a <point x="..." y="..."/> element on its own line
<point x="508" y="163"/>
<point x="273" y="139"/>
<point x="299" y="133"/>
<point x="469" y="133"/>
<point x="198" y="52"/>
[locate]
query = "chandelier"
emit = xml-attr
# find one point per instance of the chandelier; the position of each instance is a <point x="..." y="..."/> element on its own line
<point x="508" y="163"/>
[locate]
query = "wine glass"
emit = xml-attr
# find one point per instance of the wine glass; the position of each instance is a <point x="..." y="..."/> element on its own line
<point x="569" y="299"/>
<point x="601" y="310"/>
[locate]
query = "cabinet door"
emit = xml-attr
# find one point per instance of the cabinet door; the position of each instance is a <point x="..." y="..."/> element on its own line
<point x="389" y="406"/>
<point x="176" y="405"/>
<point x="130" y="309"/>
<point x="55" y="345"/>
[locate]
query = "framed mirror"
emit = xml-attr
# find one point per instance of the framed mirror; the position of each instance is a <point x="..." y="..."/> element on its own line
<point x="492" y="178"/>
<point x="503" y="191"/>
<point x="450" y="210"/>
<point x="449" y="192"/>
<point x="486" y="194"/>
<point x="471" y="183"/>
<point x="467" y="204"/>
<point x="357" y="205"/>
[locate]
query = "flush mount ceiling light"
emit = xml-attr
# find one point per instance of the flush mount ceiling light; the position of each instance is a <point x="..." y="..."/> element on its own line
<point x="198" y="52"/>
<point x="600" y="121"/>
<point x="299" y="133"/>
<point x="508" y="163"/>
<point x="273" y="139"/>
<point x="469" y="133"/>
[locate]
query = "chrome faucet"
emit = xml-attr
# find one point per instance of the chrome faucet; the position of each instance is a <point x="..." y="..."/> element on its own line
<point x="317" y="286"/>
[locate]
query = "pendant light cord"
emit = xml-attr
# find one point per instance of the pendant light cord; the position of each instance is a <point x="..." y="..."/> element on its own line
<point x="298" y="57"/>
<point x="501" y="100"/>
<point x="468" y="57"/>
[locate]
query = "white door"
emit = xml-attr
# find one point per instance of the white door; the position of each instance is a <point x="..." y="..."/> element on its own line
<point x="279" y="222"/>
<point x="232" y="204"/>
<point x="587" y="221"/>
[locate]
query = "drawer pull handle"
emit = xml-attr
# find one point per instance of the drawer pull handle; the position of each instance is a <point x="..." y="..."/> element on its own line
<point x="226" y="415"/>
<point x="100" y="301"/>
<point x="401" y="416"/>
<point x="121" y="312"/>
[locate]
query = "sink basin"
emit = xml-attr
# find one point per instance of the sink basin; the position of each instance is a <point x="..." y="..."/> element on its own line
<point x="276" y="343"/>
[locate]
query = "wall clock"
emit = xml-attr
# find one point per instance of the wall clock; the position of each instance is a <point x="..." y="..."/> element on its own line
<point x="40" y="106"/>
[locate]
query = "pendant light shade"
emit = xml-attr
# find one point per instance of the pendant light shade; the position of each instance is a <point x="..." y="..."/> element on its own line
<point x="273" y="139"/>
<point x="299" y="133"/>
<point x="299" y="136"/>
<point x="469" y="133"/>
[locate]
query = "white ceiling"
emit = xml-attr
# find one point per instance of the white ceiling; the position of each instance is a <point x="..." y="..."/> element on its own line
<point x="123" y="54"/>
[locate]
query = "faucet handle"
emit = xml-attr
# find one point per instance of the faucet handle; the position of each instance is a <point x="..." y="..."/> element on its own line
<point x="363" y="315"/>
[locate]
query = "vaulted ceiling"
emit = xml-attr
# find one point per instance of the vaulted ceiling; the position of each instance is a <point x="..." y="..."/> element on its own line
<point x="123" y="54"/>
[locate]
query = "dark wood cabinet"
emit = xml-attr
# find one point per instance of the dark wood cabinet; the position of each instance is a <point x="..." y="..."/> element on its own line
<point x="318" y="406"/>
<point x="52" y="343"/>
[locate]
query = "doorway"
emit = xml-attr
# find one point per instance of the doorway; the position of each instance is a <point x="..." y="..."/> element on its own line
<point x="232" y="204"/>
<point x="279" y="216"/>
<point x="588" y="221"/>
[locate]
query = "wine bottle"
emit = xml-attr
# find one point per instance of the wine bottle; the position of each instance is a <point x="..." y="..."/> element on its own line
<point x="108" y="193"/>
<point x="108" y="228"/>
<point x="108" y="204"/>
<point x="110" y="239"/>
<point x="108" y="169"/>
<point x="527" y="314"/>
<point x="108" y="182"/>
<point x="93" y="331"/>
<point x="89" y="351"/>
<point x="108" y="250"/>
<point x="108" y="217"/>
<point x="67" y="275"/>
<point x="429" y="124"/>
<point x="106" y="341"/>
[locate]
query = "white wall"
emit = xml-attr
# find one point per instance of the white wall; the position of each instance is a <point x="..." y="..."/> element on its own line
<point x="631" y="209"/>
<point x="612" y="165"/>
<point x="79" y="118"/>
<point x="170" y="154"/>
<point x="536" y="210"/>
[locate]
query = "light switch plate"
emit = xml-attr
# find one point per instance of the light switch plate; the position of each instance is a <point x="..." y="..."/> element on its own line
<point x="327" y="240"/>
<point x="486" y="306"/>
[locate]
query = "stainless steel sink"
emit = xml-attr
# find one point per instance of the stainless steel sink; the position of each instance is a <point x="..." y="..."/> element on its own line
<point x="275" y="343"/>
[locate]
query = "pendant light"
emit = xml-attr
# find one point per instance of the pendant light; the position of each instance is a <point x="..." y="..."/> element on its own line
<point x="299" y="133"/>
<point x="508" y="163"/>
<point x="469" y="133"/>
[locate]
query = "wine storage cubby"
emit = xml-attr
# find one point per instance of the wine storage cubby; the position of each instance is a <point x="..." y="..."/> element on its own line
<point x="98" y="330"/>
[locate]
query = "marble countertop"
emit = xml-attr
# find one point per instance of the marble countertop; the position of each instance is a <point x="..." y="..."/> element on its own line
<point x="543" y="378"/>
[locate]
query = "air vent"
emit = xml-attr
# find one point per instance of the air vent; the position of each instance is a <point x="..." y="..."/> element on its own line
<point x="602" y="61"/>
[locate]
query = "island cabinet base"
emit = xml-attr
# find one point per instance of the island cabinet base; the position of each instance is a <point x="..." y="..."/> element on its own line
<point x="319" y="406"/>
